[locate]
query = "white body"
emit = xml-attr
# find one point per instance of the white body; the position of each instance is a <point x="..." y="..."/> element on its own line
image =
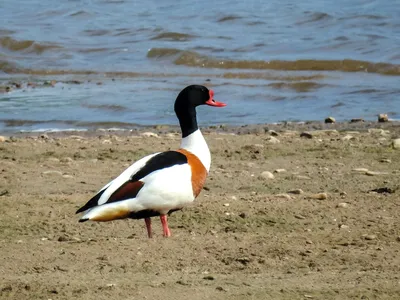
<point x="163" y="190"/>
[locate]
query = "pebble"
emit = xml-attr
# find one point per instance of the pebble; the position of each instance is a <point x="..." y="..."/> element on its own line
<point x="279" y="171"/>
<point x="309" y="242"/>
<point x="44" y="136"/>
<point x="242" y="215"/>
<point x="343" y="205"/>
<point x="330" y="120"/>
<point x="106" y="142"/>
<point x="383" y="118"/>
<point x="300" y="217"/>
<point x="398" y="238"/>
<point x="356" y="120"/>
<point x="226" y="204"/>
<point x="234" y="198"/>
<point x="272" y="140"/>
<point x="296" y="191"/>
<point x="319" y="196"/>
<point x="348" y="137"/>
<point x="385" y="160"/>
<point x="306" y="135"/>
<point x="2" y="139"/>
<point x="52" y="173"/>
<point x="342" y="226"/>
<point x="63" y="238"/>
<point x="284" y="196"/>
<point x="378" y="131"/>
<point x="273" y="132"/>
<point x="53" y="159"/>
<point x="4" y="192"/>
<point x="303" y="177"/>
<point x="373" y="173"/>
<point x="66" y="160"/>
<point x="209" y="277"/>
<point x="396" y="144"/>
<point x="149" y="134"/>
<point x="76" y="137"/>
<point x="267" y="175"/>
<point x="360" y="170"/>
<point x="369" y="237"/>
<point x="67" y="176"/>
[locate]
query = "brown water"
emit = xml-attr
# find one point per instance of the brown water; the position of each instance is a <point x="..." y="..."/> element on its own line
<point x="121" y="63"/>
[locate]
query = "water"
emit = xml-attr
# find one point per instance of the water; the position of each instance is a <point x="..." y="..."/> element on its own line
<point x="270" y="61"/>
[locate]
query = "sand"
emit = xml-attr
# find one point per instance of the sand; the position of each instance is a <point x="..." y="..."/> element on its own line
<point x="247" y="236"/>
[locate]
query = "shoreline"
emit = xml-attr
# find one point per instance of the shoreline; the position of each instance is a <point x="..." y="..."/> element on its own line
<point x="361" y="126"/>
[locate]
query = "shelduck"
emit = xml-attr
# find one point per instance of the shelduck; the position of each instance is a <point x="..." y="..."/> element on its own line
<point x="163" y="182"/>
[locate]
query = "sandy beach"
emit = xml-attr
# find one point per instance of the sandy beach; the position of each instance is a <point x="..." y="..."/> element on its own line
<point x="283" y="215"/>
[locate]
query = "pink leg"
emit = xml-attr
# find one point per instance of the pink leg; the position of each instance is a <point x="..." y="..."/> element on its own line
<point x="148" y="227"/>
<point x="164" y="222"/>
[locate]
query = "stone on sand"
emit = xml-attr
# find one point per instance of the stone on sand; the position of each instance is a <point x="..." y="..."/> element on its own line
<point x="306" y="135"/>
<point x="52" y="172"/>
<point x="383" y="118"/>
<point x="348" y="137"/>
<point x="272" y="140"/>
<point x="396" y="143"/>
<point x="266" y="175"/>
<point x="369" y="237"/>
<point x="284" y="196"/>
<point x="330" y="120"/>
<point x="319" y="196"/>
<point x="149" y="134"/>
<point x="296" y="191"/>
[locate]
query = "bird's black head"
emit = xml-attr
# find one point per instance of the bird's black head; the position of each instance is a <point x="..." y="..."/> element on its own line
<point x="187" y="101"/>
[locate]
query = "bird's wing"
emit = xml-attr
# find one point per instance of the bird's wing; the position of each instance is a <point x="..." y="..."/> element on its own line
<point x="128" y="184"/>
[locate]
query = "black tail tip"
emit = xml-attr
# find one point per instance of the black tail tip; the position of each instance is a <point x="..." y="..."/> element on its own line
<point x="83" y="220"/>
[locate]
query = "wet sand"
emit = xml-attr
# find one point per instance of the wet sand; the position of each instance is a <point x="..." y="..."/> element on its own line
<point x="247" y="236"/>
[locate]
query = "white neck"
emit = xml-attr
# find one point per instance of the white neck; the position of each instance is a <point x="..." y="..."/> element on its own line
<point x="196" y="144"/>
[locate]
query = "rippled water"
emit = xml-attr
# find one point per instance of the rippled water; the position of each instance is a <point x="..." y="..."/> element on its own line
<point x="270" y="61"/>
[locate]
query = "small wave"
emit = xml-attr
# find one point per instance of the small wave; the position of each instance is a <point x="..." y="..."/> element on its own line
<point x="96" y="32"/>
<point x="363" y="91"/>
<point x="94" y="50"/>
<point x="173" y="36"/>
<point x="7" y="67"/>
<point x="300" y="87"/>
<point x="367" y="17"/>
<point x="193" y="59"/>
<point x="162" y="52"/>
<point x="228" y="18"/>
<point x="110" y="107"/>
<point x="242" y="75"/>
<point x="80" y="13"/>
<point x="315" y="17"/>
<point x="27" y="46"/>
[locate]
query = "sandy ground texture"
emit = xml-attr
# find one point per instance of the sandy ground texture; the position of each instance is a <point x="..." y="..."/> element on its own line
<point x="326" y="226"/>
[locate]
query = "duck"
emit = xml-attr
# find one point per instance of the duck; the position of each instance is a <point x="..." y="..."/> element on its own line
<point x="163" y="182"/>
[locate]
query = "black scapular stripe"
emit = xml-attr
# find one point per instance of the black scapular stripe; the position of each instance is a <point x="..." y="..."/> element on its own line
<point x="160" y="161"/>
